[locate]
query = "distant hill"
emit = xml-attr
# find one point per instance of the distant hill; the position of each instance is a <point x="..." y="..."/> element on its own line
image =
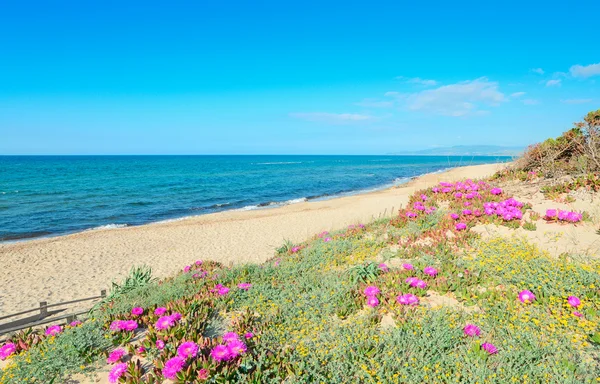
<point x="467" y="150"/>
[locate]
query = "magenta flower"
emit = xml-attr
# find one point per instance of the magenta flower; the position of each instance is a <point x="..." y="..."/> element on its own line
<point x="230" y="336"/>
<point x="421" y="284"/>
<point x="128" y="325"/>
<point x="187" y="350"/>
<point x="466" y="212"/>
<point x="115" y="325"/>
<point x="187" y="268"/>
<point x="412" y="281"/>
<point x="160" y="344"/>
<point x="458" y="195"/>
<point x="137" y="311"/>
<point x="575" y="313"/>
<point x="371" y="290"/>
<point x="53" y="330"/>
<point x="115" y="356"/>
<point x="411" y="215"/>
<point x="198" y="262"/>
<point x="424" y="197"/>
<point x="176" y="316"/>
<point x="244" y="286"/>
<point x="471" y="330"/>
<point x="460" y="226"/>
<point x="116" y="373"/>
<point x="430" y="271"/>
<point x="327" y="239"/>
<point x="6" y="350"/>
<point x="489" y="348"/>
<point x="496" y="191"/>
<point x="455" y="216"/>
<point x="236" y="348"/>
<point x="408" y="267"/>
<point x="164" y="322"/>
<point x="160" y="311"/>
<point x="372" y="301"/>
<point x="203" y="374"/>
<point x="574" y="301"/>
<point x="220" y="353"/>
<point x="172" y="367"/>
<point x="551" y="213"/>
<point x="526" y="296"/>
<point x="383" y="267"/>
<point x="249" y="335"/>
<point x="408" y="299"/>
<point x="295" y="249"/>
<point x="75" y="323"/>
<point x="140" y="350"/>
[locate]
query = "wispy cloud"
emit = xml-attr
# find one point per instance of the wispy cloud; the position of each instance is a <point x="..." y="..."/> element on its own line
<point x="553" y="83"/>
<point x="585" y="71"/>
<point x="539" y="71"/>
<point x="374" y="103"/>
<point x="576" y="101"/>
<point x="517" y="94"/>
<point x="460" y="99"/>
<point x="332" y="118"/>
<point x="417" y="80"/>
<point x="530" y="102"/>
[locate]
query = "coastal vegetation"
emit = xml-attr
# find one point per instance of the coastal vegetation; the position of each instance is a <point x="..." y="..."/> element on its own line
<point x="419" y="297"/>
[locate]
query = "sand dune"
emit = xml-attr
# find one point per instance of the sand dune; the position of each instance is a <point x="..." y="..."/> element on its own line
<point x="79" y="265"/>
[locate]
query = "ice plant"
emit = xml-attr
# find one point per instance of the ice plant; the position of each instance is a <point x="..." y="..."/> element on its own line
<point x="249" y="335"/>
<point x="115" y="356"/>
<point x="471" y="330"/>
<point x="128" y="325"/>
<point x="160" y="344"/>
<point x="164" y="322"/>
<point x="244" y="286"/>
<point x="172" y="367"/>
<point x="574" y="301"/>
<point x="236" y="348"/>
<point x="187" y="350"/>
<point x="496" y="191"/>
<point x="230" y="336"/>
<point x="383" y="267"/>
<point x="489" y="348"/>
<point x="371" y="290"/>
<point x="116" y="373"/>
<point x="220" y="353"/>
<point x="408" y="267"/>
<point x="372" y="301"/>
<point x="430" y="271"/>
<point x="526" y="296"/>
<point x="408" y="299"/>
<point x="160" y="311"/>
<point x="203" y="374"/>
<point x="461" y="226"/>
<point x="6" y="350"/>
<point x="137" y="311"/>
<point x="295" y="249"/>
<point x="575" y="313"/>
<point x="53" y="330"/>
<point x="455" y="216"/>
<point x="187" y="268"/>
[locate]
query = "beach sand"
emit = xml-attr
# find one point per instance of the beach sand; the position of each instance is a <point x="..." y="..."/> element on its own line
<point x="69" y="267"/>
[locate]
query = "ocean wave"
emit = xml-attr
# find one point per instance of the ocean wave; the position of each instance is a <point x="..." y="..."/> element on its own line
<point x="279" y="163"/>
<point x="107" y="226"/>
<point x="273" y="204"/>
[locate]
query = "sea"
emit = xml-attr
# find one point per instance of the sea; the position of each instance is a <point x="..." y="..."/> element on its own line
<point x="52" y="195"/>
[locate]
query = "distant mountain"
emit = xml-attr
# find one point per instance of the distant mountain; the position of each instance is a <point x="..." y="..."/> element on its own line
<point x="467" y="150"/>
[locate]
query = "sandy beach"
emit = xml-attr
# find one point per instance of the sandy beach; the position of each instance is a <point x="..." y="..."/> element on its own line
<point x="67" y="267"/>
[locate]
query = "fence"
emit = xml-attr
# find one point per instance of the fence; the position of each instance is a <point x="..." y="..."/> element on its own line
<point x="45" y="315"/>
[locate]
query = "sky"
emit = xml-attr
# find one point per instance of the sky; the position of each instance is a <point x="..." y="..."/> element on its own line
<point x="282" y="77"/>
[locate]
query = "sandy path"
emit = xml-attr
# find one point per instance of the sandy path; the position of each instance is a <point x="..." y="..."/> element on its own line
<point x="80" y="265"/>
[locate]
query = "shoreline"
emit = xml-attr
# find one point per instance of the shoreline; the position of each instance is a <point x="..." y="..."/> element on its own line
<point x="67" y="267"/>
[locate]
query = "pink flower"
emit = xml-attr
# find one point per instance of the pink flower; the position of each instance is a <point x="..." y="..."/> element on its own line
<point x="460" y="226"/>
<point x="466" y="212"/>
<point x="458" y="195"/>
<point x="489" y="348"/>
<point x="176" y="316"/>
<point x="249" y="335"/>
<point x="551" y="213"/>
<point x="160" y="344"/>
<point x="198" y="262"/>
<point x="164" y="322"/>
<point x="75" y="323"/>
<point x="223" y="291"/>
<point x="408" y="267"/>
<point x="187" y="350"/>
<point x="115" y="356"/>
<point x="140" y="350"/>
<point x="421" y="284"/>
<point x="295" y="249"/>
<point x="230" y="336"/>
<point x="116" y="373"/>
<point x="115" y="325"/>
<point x="203" y="374"/>
<point x="526" y="296"/>
<point x="471" y="330"/>
<point x="496" y="191"/>
<point x="53" y="330"/>
<point x="187" y="268"/>
<point x="327" y="239"/>
<point x="575" y="313"/>
<point x="236" y="348"/>
<point x="412" y="281"/>
<point x="424" y="197"/>
<point x="244" y="286"/>
<point x="574" y="301"/>
<point x="137" y="311"/>
<point x="383" y="267"/>
<point x="455" y="216"/>
<point x="128" y="325"/>
<point x="172" y="367"/>
<point x="408" y="299"/>
<point x="371" y="290"/>
<point x="411" y="215"/>
<point x="160" y="311"/>
<point x="6" y="350"/>
<point x="220" y="353"/>
<point x="430" y="271"/>
<point x="372" y="301"/>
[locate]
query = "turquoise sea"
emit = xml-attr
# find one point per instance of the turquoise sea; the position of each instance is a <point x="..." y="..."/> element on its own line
<point x="50" y="195"/>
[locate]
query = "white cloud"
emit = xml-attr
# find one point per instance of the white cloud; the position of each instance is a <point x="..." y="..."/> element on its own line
<point x="576" y="101"/>
<point x="530" y="101"/>
<point x="553" y="83"/>
<point x="460" y="99"/>
<point x="332" y="118"/>
<point x="585" y="71"/>
<point x="373" y="103"/>
<point x="539" y="71"/>
<point x="517" y="94"/>
<point x="417" y="80"/>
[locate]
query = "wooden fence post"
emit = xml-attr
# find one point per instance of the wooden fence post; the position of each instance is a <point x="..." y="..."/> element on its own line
<point x="43" y="309"/>
<point x="103" y="293"/>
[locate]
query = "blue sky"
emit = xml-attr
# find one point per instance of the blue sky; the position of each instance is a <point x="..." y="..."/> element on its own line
<point x="276" y="77"/>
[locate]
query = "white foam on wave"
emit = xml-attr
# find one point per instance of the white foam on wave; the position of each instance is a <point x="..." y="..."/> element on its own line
<point x="272" y="204"/>
<point x="279" y="162"/>
<point x="107" y="226"/>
